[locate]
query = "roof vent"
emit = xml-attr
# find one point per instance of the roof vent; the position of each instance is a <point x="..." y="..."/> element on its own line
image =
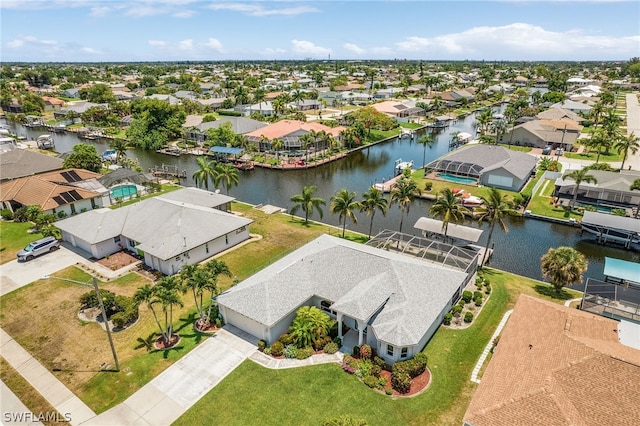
<point x="567" y="325"/>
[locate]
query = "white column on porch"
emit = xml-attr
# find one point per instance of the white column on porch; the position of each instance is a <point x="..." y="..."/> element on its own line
<point x="361" y="326"/>
<point x="339" y="319"/>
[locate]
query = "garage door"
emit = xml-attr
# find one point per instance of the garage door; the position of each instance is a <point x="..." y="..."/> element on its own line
<point x="244" y="323"/>
<point x="502" y="181"/>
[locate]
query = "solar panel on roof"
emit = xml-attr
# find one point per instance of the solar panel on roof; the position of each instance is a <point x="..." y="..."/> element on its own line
<point x="76" y="177"/>
<point x="66" y="176"/>
<point x="75" y="195"/>
<point x="59" y="200"/>
<point x="67" y="197"/>
<point x="401" y="107"/>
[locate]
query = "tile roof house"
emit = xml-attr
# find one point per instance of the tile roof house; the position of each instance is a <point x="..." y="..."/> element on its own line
<point x="494" y="166"/>
<point x="397" y="109"/>
<point x="18" y="163"/>
<point x="389" y="300"/>
<point x="538" y="133"/>
<point x="290" y="132"/>
<point x="171" y="230"/>
<point x="55" y="192"/>
<point x="556" y="365"/>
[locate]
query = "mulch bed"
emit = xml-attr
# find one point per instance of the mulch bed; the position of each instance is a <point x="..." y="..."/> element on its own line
<point x="161" y="344"/>
<point x="211" y="328"/>
<point x="418" y="384"/>
<point x="117" y="260"/>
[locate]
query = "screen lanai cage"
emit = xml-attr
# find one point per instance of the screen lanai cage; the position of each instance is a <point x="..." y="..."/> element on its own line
<point x="616" y="301"/>
<point x="460" y="168"/>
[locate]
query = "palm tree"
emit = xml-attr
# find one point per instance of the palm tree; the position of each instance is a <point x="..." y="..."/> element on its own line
<point x="425" y="141"/>
<point x="120" y="147"/>
<point x="166" y="294"/>
<point x="307" y="202"/>
<point x="494" y="209"/>
<point x="563" y="266"/>
<point x="624" y="145"/>
<point x="195" y="279"/>
<point x="450" y="208"/>
<point x="277" y="144"/>
<point x="403" y="192"/>
<point x="598" y="140"/>
<point x="636" y="186"/>
<point x="206" y="172"/>
<point x="214" y="268"/>
<point x="579" y="176"/>
<point x="309" y="324"/>
<point x="483" y="119"/>
<point x="146" y="294"/>
<point x="226" y="174"/>
<point x="373" y="200"/>
<point x="344" y="203"/>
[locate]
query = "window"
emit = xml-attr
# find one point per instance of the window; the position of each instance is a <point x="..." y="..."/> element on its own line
<point x="206" y="247"/>
<point x="73" y="208"/>
<point x="226" y="239"/>
<point x="325" y="305"/>
<point x="239" y="230"/>
<point x="93" y="204"/>
<point x="132" y="243"/>
<point x="116" y="239"/>
<point x="404" y="352"/>
<point x="390" y="350"/>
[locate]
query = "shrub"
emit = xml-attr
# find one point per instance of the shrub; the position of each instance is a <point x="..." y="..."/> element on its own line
<point x="356" y="351"/>
<point x="389" y="391"/>
<point x="370" y="381"/>
<point x="119" y="320"/>
<point x="290" y="351"/>
<point x="428" y="186"/>
<point x="333" y="329"/>
<point x="468" y="317"/>
<point x="219" y="322"/>
<point x="330" y="348"/>
<point x="447" y="318"/>
<point x="286" y="339"/>
<point x="319" y="344"/>
<point x="413" y="367"/>
<point x="61" y="214"/>
<point x="365" y="351"/>
<point x="487" y="290"/>
<point x="401" y="382"/>
<point x="348" y="364"/>
<point x="456" y="310"/>
<point x="267" y="351"/>
<point x="421" y="358"/>
<point x="477" y="294"/>
<point x="478" y="301"/>
<point x="262" y="344"/>
<point x="461" y="303"/>
<point x="363" y="367"/>
<point x="20" y="215"/>
<point x="337" y="341"/>
<point x="6" y="214"/>
<point x="304" y="353"/>
<point x="379" y="362"/>
<point x="277" y="349"/>
<point x="467" y="296"/>
<point x="487" y="283"/>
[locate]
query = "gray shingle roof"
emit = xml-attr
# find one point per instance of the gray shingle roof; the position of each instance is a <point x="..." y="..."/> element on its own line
<point x="21" y="162"/>
<point x="359" y="280"/>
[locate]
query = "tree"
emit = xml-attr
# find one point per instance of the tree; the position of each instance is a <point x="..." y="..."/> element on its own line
<point x="226" y="174"/>
<point x="425" y="141"/>
<point x="636" y="186"/>
<point x="200" y="279"/>
<point x="146" y="294"/>
<point x="494" y="209"/>
<point x="155" y="122"/>
<point x="83" y="156"/>
<point x="579" y="176"/>
<point x="98" y="93"/>
<point x="449" y="208"/>
<point x="563" y="266"/>
<point x="309" y="325"/>
<point x="206" y="172"/>
<point x="404" y="192"/>
<point x="373" y="200"/>
<point x="484" y="119"/>
<point x="120" y="147"/>
<point x="214" y="268"/>
<point x="344" y="203"/>
<point x="624" y="145"/>
<point x="166" y="294"/>
<point x="277" y="144"/>
<point x="307" y="202"/>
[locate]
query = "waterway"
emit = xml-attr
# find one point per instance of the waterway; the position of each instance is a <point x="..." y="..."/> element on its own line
<point x="518" y="251"/>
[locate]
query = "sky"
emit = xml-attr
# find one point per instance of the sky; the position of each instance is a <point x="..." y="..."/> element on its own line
<point x="212" y="30"/>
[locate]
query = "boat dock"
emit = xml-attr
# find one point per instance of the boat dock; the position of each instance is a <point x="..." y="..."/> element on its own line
<point x="166" y="171"/>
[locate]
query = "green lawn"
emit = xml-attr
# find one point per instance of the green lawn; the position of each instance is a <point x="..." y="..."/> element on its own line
<point x="306" y="396"/>
<point x="592" y="156"/>
<point x="540" y="204"/>
<point x="14" y="237"/>
<point x="438" y="185"/>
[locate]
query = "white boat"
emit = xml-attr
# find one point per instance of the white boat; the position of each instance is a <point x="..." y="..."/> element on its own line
<point x="401" y="165"/>
<point x="468" y="200"/>
<point x="45" y="142"/>
<point x="110" y="156"/>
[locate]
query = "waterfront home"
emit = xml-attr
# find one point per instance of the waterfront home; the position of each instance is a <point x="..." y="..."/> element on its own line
<point x="18" y="163"/>
<point x="577" y="107"/>
<point x="52" y="104"/>
<point x="560" y="114"/>
<point x="612" y="189"/>
<point x="290" y="132"/>
<point x="169" y="231"/>
<point x="64" y="192"/>
<point x="77" y="108"/>
<point x="491" y="165"/>
<point x="391" y="301"/>
<point x="556" y="365"/>
<point x="239" y="125"/>
<point x="540" y="133"/>
<point x="398" y="109"/>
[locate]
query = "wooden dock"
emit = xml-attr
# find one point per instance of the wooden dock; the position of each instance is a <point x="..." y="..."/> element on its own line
<point x="166" y="171"/>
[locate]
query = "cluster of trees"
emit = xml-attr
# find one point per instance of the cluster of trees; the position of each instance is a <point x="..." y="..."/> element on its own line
<point x="154" y="123"/>
<point x="216" y="173"/>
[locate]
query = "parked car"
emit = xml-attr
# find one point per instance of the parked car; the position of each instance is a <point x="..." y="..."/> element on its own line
<point x="38" y="247"/>
<point x="546" y="150"/>
<point x="559" y="152"/>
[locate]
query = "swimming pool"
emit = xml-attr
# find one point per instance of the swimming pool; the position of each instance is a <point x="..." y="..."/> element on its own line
<point x="457" y="179"/>
<point x="123" y="191"/>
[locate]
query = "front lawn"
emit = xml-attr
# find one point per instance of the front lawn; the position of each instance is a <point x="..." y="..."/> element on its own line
<point x="592" y="156"/>
<point x="309" y="395"/>
<point x="14" y="236"/>
<point x="541" y="204"/>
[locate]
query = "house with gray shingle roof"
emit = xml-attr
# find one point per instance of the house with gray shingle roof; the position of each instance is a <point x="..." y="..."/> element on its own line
<point x="493" y="165"/>
<point x="539" y="133"/>
<point x="391" y="301"/>
<point x="180" y="228"/>
<point x="611" y="189"/>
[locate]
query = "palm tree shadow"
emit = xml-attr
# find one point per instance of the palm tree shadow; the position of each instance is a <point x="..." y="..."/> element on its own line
<point x="551" y="292"/>
<point x="146" y="343"/>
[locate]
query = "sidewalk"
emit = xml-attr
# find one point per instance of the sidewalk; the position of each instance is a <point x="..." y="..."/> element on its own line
<point x="12" y="408"/>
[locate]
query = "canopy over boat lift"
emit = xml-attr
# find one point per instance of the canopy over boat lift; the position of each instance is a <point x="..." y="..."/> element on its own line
<point x="434" y="226"/>
<point x="621" y="271"/>
<point x="611" y="228"/>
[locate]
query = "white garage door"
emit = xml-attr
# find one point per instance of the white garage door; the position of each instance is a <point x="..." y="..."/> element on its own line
<point x="245" y="324"/>
<point x="502" y="181"/>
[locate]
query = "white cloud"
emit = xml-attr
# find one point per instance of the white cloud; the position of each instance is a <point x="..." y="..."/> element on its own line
<point x="100" y="11"/>
<point x="91" y="51"/>
<point x="307" y="48"/>
<point x="158" y="43"/>
<point x="213" y="44"/>
<point x="354" y="48"/>
<point x="188" y="48"/>
<point x="257" y="9"/>
<point x="48" y="49"/>
<point x="185" y="44"/>
<point x="30" y="42"/>
<point x="518" y="41"/>
<point x="184" y="14"/>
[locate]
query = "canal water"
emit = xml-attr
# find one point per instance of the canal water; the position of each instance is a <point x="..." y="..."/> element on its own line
<point x="518" y="251"/>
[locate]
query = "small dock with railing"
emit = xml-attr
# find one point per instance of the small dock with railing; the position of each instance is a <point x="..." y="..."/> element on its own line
<point x="166" y="171"/>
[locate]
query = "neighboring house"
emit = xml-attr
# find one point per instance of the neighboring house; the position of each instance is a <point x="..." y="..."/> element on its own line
<point x="306" y="105"/>
<point x="265" y="108"/>
<point x="77" y="108"/>
<point x="392" y="301"/>
<point x="556" y="365"/>
<point x="494" y="166"/>
<point x="387" y="93"/>
<point x="612" y="189"/>
<point x="71" y="93"/>
<point x="577" y="107"/>
<point x="239" y="125"/>
<point x="539" y="133"/>
<point x="186" y="94"/>
<point x="52" y="104"/>
<point x="172" y="100"/>
<point x="18" y="163"/>
<point x="559" y="114"/>
<point x="290" y="132"/>
<point x="55" y="192"/>
<point x="397" y="109"/>
<point x="213" y="104"/>
<point x="171" y="230"/>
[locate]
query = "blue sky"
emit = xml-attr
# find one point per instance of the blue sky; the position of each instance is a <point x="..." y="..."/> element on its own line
<point x="165" y="30"/>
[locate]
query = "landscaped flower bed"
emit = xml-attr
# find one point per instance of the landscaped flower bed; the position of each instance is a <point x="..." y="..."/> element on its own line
<point x="470" y="304"/>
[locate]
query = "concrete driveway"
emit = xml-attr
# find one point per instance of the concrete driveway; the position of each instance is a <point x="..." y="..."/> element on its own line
<point x="14" y="275"/>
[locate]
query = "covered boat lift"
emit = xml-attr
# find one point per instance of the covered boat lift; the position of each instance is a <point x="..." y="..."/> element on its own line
<point x="612" y="228"/>
<point x="622" y="272"/>
<point x="433" y="226"/>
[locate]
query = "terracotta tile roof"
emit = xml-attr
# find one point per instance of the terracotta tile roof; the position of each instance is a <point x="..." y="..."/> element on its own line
<point x="556" y="365"/>
<point x="40" y="190"/>
<point x="283" y="128"/>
